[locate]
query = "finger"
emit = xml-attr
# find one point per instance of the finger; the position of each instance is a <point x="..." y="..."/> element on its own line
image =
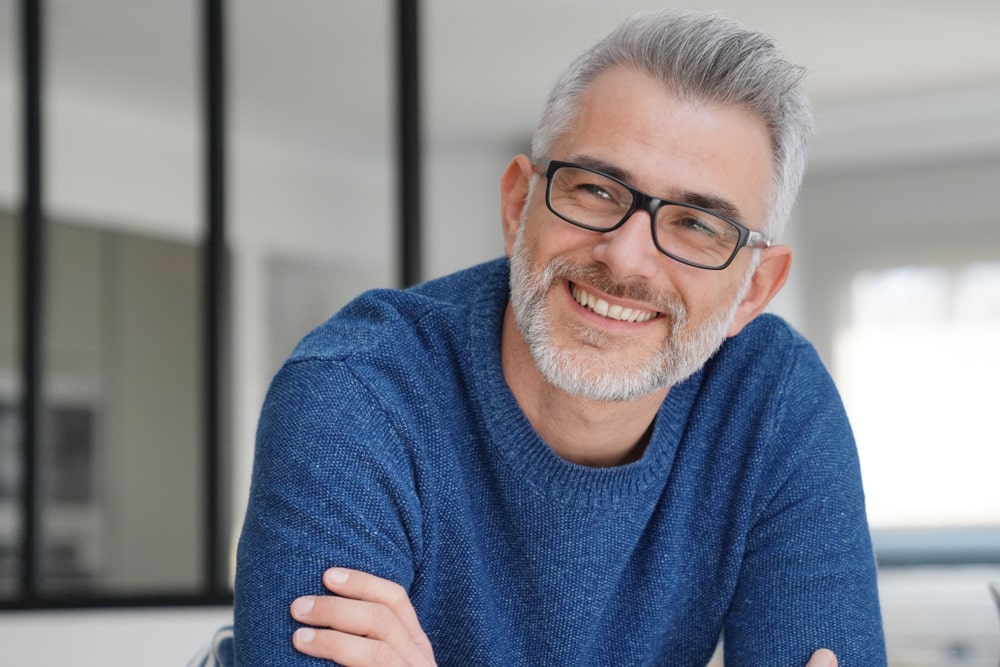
<point x="355" y="617"/>
<point x="363" y="586"/>
<point x="346" y="649"/>
<point x="824" y="657"/>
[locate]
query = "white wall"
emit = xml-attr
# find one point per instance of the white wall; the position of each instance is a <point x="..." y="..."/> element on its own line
<point x="462" y="215"/>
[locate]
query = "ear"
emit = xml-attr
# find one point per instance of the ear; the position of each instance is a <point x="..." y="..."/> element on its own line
<point x="768" y="279"/>
<point x="514" y="197"/>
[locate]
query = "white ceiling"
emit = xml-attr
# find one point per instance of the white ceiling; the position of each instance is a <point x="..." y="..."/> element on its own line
<point x="296" y="64"/>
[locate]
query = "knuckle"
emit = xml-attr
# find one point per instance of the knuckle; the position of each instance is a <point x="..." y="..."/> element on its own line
<point x="382" y="655"/>
<point x="327" y="608"/>
<point x="381" y="617"/>
<point x="396" y="595"/>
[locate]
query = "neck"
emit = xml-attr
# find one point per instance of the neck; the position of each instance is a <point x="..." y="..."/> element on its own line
<point x="578" y="429"/>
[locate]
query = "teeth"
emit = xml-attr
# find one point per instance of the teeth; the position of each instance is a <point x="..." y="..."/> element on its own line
<point x="614" y="312"/>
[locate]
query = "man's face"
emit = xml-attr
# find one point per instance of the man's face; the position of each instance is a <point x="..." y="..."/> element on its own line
<point x="606" y="315"/>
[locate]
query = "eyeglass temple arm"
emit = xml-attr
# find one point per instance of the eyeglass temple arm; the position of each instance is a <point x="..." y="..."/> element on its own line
<point x="757" y="240"/>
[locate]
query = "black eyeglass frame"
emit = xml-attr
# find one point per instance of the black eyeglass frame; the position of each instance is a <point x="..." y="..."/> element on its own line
<point x="641" y="201"/>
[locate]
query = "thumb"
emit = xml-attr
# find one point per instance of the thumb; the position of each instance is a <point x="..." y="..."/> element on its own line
<point x="823" y="658"/>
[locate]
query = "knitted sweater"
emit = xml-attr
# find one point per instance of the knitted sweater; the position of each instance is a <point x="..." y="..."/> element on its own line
<point x="390" y="442"/>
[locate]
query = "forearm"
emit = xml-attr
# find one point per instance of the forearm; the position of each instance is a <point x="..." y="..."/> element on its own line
<point x="325" y="492"/>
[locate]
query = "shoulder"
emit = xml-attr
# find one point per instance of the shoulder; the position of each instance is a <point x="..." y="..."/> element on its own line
<point x="770" y="353"/>
<point x="393" y="356"/>
<point x="769" y="334"/>
<point x="769" y="384"/>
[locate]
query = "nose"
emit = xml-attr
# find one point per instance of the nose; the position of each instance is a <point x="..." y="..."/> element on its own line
<point x="628" y="251"/>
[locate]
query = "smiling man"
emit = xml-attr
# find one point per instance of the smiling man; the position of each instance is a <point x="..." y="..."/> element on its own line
<point x="597" y="451"/>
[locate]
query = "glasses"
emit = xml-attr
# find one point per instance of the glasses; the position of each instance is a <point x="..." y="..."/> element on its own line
<point x="690" y="234"/>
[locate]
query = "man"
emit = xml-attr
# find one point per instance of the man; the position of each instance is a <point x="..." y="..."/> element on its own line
<point x="598" y="453"/>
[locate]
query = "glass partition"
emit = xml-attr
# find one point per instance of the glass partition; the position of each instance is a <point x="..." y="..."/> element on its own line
<point x="311" y="222"/>
<point x="312" y="217"/>
<point x="10" y="319"/>
<point x="10" y="401"/>
<point x="121" y="448"/>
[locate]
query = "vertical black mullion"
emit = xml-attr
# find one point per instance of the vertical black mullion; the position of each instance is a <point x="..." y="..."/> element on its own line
<point x="214" y="285"/>
<point x="408" y="138"/>
<point x="32" y="300"/>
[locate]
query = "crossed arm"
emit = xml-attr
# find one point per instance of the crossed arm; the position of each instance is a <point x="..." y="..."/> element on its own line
<point x="370" y="622"/>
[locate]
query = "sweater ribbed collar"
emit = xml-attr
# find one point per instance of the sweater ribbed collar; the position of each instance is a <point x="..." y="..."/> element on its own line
<point x="517" y="443"/>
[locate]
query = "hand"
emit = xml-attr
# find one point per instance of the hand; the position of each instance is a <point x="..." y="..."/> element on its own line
<point x="369" y="621"/>
<point x="823" y="658"/>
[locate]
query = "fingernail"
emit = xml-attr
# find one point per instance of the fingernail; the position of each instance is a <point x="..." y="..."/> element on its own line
<point x="336" y="575"/>
<point x="305" y="635"/>
<point x="302" y="606"/>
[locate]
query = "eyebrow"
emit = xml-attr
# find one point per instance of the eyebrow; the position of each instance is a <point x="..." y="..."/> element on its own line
<point x="713" y="203"/>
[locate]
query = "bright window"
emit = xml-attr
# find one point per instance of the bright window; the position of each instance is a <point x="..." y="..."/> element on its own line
<point x="918" y="368"/>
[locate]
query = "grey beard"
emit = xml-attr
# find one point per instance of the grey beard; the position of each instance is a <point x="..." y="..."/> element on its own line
<point x="591" y="374"/>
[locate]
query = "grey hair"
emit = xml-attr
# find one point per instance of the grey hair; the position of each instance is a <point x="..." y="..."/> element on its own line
<point x="707" y="57"/>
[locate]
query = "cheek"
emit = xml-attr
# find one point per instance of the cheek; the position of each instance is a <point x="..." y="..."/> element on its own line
<point x="557" y="238"/>
<point x="704" y="296"/>
<point x="542" y="241"/>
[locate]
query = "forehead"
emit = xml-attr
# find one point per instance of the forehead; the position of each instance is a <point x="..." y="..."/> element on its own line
<point x="667" y="145"/>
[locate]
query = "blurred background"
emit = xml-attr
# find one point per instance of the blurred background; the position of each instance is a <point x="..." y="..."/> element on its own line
<point x="137" y="504"/>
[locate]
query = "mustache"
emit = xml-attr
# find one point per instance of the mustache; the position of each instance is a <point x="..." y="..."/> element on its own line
<point x="599" y="277"/>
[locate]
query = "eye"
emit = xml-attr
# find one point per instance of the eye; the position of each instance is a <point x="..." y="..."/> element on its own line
<point x="596" y="190"/>
<point x="694" y="224"/>
<point x="584" y="188"/>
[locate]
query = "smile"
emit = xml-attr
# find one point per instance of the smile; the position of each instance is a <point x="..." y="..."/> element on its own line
<point x="612" y="312"/>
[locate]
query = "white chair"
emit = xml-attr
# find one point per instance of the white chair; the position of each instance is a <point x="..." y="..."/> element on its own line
<point x="219" y="652"/>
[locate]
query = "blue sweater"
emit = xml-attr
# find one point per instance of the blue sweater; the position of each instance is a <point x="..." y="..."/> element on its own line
<point x="390" y="442"/>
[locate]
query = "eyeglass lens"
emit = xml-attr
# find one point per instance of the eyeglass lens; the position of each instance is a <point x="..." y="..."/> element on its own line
<point x="598" y="202"/>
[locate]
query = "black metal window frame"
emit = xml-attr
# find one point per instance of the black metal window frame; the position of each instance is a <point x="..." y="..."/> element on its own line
<point x="215" y="295"/>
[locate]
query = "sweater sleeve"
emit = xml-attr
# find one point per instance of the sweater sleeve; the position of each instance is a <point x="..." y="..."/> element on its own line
<point x="331" y="486"/>
<point x="808" y="577"/>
